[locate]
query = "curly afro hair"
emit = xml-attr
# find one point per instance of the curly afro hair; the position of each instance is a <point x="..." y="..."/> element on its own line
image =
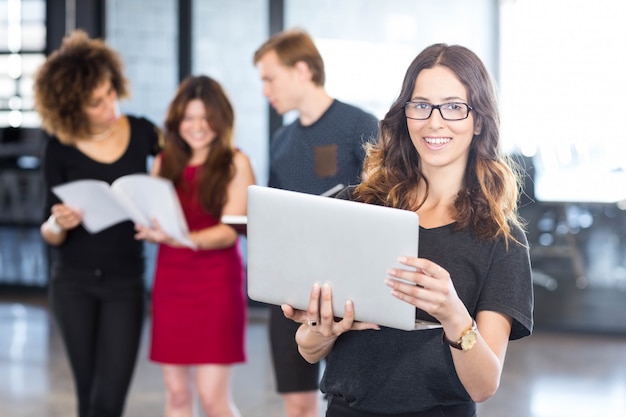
<point x="66" y="80"/>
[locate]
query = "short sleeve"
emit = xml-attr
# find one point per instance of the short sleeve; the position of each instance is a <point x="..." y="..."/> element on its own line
<point x="153" y="135"/>
<point x="508" y="288"/>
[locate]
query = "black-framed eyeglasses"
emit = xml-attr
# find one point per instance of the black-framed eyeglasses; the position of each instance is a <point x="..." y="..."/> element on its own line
<point x="419" y="110"/>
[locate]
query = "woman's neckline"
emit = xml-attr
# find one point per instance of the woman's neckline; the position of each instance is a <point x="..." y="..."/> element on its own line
<point x="443" y="226"/>
<point x="99" y="137"/>
<point x="104" y="152"/>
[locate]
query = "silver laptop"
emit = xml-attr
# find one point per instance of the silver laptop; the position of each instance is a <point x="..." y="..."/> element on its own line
<point x="296" y="239"/>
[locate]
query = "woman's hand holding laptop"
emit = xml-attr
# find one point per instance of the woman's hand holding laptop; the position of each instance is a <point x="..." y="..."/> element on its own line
<point x="318" y="323"/>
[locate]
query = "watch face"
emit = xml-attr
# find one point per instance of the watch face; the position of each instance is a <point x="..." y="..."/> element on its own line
<point x="468" y="340"/>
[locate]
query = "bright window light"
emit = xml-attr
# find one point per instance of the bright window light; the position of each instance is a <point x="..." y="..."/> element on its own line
<point x="562" y="69"/>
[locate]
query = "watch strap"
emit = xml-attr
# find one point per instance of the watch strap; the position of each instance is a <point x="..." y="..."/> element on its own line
<point x="458" y="344"/>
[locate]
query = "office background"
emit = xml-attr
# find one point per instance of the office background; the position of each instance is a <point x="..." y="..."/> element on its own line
<point x="559" y="66"/>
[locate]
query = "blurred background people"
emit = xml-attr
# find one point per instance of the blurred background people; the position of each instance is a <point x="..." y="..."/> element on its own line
<point x="324" y="147"/>
<point x="97" y="281"/>
<point x="198" y="299"/>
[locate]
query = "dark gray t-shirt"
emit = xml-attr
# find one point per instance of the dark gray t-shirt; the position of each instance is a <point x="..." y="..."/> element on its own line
<point x="393" y="371"/>
<point x="312" y="159"/>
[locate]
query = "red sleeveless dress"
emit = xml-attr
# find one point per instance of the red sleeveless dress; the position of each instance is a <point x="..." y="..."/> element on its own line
<point x="198" y="298"/>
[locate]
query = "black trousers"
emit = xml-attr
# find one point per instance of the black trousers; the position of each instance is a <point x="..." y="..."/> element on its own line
<point x="292" y="372"/>
<point x="338" y="407"/>
<point x="100" y="316"/>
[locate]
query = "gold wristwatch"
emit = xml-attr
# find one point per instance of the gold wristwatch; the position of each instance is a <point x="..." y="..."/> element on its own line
<point x="467" y="340"/>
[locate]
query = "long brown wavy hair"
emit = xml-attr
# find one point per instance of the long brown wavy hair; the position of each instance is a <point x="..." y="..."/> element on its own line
<point x="217" y="170"/>
<point x="66" y="80"/>
<point x="487" y="202"/>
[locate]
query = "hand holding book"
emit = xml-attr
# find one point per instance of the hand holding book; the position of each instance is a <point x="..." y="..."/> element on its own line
<point x="155" y="234"/>
<point x="239" y="223"/>
<point x="137" y="197"/>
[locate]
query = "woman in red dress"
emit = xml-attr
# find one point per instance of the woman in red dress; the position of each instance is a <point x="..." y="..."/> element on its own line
<point x="198" y="299"/>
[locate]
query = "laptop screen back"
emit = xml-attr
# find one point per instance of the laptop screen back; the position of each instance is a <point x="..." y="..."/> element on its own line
<point x="296" y="239"/>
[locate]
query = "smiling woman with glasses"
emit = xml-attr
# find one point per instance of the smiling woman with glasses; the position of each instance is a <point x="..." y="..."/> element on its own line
<point x="472" y="270"/>
<point x="418" y="110"/>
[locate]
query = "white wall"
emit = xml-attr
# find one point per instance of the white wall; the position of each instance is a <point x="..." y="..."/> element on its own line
<point x="145" y="33"/>
<point x="226" y="34"/>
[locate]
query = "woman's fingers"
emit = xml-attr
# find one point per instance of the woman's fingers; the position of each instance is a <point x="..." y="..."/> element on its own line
<point x="313" y="314"/>
<point x="423" y="272"/>
<point x="427" y="286"/>
<point x="291" y="313"/>
<point x="326" y="307"/>
<point x="319" y="315"/>
<point x="65" y="216"/>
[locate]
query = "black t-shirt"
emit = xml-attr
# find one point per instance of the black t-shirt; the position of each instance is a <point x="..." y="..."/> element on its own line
<point x="114" y="249"/>
<point x="394" y="371"/>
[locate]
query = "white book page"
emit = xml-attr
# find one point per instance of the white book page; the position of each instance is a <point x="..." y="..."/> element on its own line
<point x="154" y="197"/>
<point x="237" y="222"/>
<point x="99" y="206"/>
<point x="234" y="219"/>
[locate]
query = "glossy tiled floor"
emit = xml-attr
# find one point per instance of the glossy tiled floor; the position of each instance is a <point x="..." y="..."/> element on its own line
<point x="35" y="379"/>
<point x="546" y="375"/>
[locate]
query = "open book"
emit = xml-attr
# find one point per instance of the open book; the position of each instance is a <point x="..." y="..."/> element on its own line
<point x="135" y="197"/>
<point x="239" y="223"/>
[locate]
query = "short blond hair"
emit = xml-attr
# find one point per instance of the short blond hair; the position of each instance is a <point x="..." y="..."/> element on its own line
<point x="293" y="46"/>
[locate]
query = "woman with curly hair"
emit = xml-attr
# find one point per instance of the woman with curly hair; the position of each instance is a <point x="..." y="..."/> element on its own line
<point x="96" y="286"/>
<point x="198" y="300"/>
<point x="438" y="155"/>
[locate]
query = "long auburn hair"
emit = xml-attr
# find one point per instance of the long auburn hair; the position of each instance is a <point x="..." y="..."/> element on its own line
<point x="217" y="170"/>
<point x="487" y="202"/>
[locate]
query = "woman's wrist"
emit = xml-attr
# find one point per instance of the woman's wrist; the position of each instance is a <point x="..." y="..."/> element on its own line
<point x="195" y="238"/>
<point x="52" y="226"/>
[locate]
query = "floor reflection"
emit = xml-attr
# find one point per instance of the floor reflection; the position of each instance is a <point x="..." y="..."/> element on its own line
<point x="546" y="375"/>
<point x="577" y="397"/>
